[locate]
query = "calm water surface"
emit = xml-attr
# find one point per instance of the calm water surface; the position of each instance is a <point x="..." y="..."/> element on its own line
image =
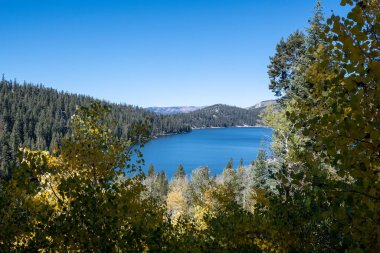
<point x="211" y="147"/>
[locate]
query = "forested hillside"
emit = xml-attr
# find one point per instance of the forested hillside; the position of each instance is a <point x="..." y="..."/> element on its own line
<point x="37" y="117"/>
<point x="220" y="116"/>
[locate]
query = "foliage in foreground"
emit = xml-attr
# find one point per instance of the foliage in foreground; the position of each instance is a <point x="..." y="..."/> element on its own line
<point x="327" y="135"/>
<point x="320" y="193"/>
<point x="78" y="199"/>
<point x="75" y="199"/>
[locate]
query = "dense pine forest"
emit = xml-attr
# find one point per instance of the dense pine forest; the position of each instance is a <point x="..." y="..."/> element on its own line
<point x="319" y="191"/>
<point x="37" y="117"/>
<point x="221" y="116"/>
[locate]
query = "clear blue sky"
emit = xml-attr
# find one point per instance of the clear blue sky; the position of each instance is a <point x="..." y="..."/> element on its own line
<point x="150" y="52"/>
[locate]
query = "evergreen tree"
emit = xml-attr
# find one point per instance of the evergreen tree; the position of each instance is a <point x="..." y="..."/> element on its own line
<point x="283" y="65"/>
<point x="241" y="163"/>
<point x="261" y="172"/>
<point x="316" y="26"/>
<point x="151" y="170"/>
<point x="180" y="172"/>
<point x="230" y="164"/>
<point x="243" y="183"/>
<point x="163" y="185"/>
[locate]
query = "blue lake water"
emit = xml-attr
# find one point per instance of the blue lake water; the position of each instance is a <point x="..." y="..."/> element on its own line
<point x="206" y="147"/>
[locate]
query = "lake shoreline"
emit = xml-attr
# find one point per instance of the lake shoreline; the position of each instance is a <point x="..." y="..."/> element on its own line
<point x="204" y="128"/>
<point x="213" y="147"/>
<point x="239" y="126"/>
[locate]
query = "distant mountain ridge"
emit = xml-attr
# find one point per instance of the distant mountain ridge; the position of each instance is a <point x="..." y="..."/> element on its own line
<point x="264" y="103"/>
<point x="221" y="115"/>
<point x="218" y="115"/>
<point x="173" y="109"/>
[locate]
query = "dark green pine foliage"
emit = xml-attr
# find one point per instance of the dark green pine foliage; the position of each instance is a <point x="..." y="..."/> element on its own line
<point x="241" y="163"/>
<point x="261" y="172"/>
<point x="151" y="171"/>
<point x="230" y="164"/>
<point x="220" y="115"/>
<point x="293" y="56"/>
<point x="162" y="185"/>
<point x="37" y="117"/>
<point x="316" y="26"/>
<point x="157" y="185"/>
<point x="282" y="69"/>
<point x="180" y="172"/>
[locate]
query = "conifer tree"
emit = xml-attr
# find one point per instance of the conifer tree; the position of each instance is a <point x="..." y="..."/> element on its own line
<point x="180" y="172"/>
<point x="241" y="163"/>
<point x="230" y="164"/>
<point x="163" y="185"/>
<point x="261" y="172"/>
<point x="316" y="26"/>
<point x="151" y="170"/>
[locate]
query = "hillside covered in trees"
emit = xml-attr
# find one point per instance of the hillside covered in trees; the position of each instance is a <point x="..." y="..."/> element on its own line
<point x="221" y="116"/>
<point x="319" y="192"/>
<point x="37" y="117"/>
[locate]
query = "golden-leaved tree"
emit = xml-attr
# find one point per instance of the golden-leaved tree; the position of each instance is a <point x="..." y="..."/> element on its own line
<point x="80" y="198"/>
